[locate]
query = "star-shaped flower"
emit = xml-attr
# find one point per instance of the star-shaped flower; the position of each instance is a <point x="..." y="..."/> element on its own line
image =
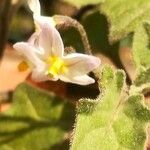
<point x="44" y="53"/>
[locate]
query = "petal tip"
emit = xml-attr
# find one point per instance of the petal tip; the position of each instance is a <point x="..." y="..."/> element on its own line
<point x="90" y="81"/>
<point x="94" y="63"/>
<point x="97" y="61"/>
<point x="19" y="45"/>
<point x="83" y="80"/>
<point x="16" y="45"/>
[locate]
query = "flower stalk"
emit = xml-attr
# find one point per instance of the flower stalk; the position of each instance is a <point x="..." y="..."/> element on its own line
<point x="67" y="22"/>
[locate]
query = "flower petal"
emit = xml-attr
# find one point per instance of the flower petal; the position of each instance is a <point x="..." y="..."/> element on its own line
<point x="29" y="52"/>
<point x="81" y="80"/>
<point x="51" y="41"/>
<point x="41" y="20"/>
<point x="40" y="75"/>
<point x="80" y="64"/>
<point x="35" y="6"/>
<point x="34" y="39"/>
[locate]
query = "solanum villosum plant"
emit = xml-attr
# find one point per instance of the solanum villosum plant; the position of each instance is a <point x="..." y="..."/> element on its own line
<point x="118" y="118"/>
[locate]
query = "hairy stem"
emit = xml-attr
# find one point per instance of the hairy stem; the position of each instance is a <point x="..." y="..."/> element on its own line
<point x="66" y="21"/>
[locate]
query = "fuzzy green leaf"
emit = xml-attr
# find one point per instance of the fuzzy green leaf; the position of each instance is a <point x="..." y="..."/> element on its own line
<point x="141" y="46"/>
<point x="131" y="16"/>
<point x="141" y="53"/>
<point x="36" y="120"/>
<point x="142" y="82"/>
<point x="125" y="16"/>
<point x="112" y="121"/>
<point x="143" y="77"/>
<point x="81" y="3"/>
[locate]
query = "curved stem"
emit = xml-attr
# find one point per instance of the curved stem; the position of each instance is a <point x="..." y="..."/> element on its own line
<point x="66" y="21"/>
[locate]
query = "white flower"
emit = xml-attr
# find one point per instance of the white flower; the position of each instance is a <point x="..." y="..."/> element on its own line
<point x="44" y="53"/>
<point x="39" y="20"/>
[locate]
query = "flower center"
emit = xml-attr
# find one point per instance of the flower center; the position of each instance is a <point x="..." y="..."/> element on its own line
<point x="57" y="66"/>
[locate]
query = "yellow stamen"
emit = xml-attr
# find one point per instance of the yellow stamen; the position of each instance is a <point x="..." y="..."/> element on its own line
<point x="23" y="66"/>
<point x="57" y="66"/>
